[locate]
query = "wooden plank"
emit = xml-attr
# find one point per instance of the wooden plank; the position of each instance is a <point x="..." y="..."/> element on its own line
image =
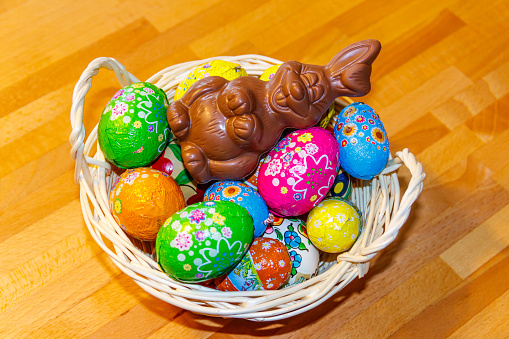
<point x="115" y="298"/>
<point x="68" y="68"/>
<point x="407" y="300"/>
<point x="215" y="42"/>
<point x="57" y="295"/>
<point x="465" y="105"/>
<point x="491" y="121"/>
<point x="43" y="201"/>
<point x="495" y="153"/>
<point x="455" y="146"/>
<point x="148" y="319"/>
<point x="489" y="323"/>
<point x="318" y="15"/>
<point x="16" y="185"/>
<point x="465" y="302"/>
<point x="416" y="41"/>
<point x="21" y="59"/>
<point x="418" y="102"/>
<point x="189" y="325"/>
<point x="416" y="137"/>
<point x="480" y="245"/>
<point x="39" y="237"/>
<point x="21" y="122"/>
<point x="156" y="11"/>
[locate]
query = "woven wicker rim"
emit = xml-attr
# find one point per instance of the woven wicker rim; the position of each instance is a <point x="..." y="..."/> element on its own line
<point x="384" y="212"/>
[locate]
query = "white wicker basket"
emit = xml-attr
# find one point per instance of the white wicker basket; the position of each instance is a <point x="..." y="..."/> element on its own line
<point x="384" y="212"/>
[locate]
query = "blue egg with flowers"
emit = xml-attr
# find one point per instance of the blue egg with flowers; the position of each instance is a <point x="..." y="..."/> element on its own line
<point x="245" y="196"/>
<point x="363" y="143"/>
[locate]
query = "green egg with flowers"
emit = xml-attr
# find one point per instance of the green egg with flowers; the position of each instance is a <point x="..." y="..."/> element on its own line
<point x="133" y="129"/>
<point x="204" y="240"/>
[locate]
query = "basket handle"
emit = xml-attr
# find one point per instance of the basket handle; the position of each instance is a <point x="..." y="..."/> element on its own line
<point x="400" y="216"/>
<point x="82" y="87"/>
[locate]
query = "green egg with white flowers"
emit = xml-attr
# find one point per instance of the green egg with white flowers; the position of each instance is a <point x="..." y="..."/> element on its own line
<point x="133" y="130"/>
<point x="204" y="240"/>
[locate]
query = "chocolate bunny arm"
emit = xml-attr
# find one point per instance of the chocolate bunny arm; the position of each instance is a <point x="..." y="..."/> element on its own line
<point x="224" y="126"/>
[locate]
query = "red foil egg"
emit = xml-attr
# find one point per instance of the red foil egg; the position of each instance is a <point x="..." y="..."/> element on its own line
<point x="266" y="266"/>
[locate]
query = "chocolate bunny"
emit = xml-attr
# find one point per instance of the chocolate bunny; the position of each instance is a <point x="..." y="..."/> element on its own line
<point x="224" y="126"/>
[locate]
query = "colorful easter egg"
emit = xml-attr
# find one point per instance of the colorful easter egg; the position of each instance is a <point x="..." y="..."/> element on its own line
<point x="334" y="225"/>
<point x="342" y="186"/>
<point x="303" y="254"/>
<point x="245" y="196"/>
<point x="266" y="266"/>
<point x="225" y="69"/>
<point x="297" y="173"/>
<point x="171" y="163"/>
<point x="364" y="146"/>
<point x="269" y="72"/>
<point x="142" y="200"/>
<point x="133" y="130"/>
<point x="204" y="240"/>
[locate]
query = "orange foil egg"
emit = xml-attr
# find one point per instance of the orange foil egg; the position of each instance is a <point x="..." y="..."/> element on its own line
<point x="266" y="266"/>
<point x="142" y="199"/>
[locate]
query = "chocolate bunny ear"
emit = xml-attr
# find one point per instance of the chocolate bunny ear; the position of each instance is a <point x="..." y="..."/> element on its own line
<point x="350" y="69"/>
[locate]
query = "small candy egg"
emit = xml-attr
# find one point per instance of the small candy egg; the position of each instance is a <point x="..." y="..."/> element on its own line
<point x="342" y="186"/>
<point x="334" y="225"/>
<point x="364" y="146"/>
<point x="297" y="173"/>
<point x="133" y="129"/>
<point x="171" y="163"/>
<point x="142" y="199"/>
<point x="245" y="196"/>
<point x="225" y="69"/>
<point x="204" y="240"/>
<point x="303" y="254"/>
<point x="269" y="72"/>
<point x="266" y="266"/>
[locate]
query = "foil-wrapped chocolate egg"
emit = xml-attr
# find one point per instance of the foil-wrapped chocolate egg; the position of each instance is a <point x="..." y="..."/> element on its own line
<point x="334" y="225"/>
<point x="364" y="146"/>
<point x="224" y="69"/>
<point x="142" y="200"/>
<point x="342" y="186"/>
<point x="204" y="240"/>
<point x="245" y="196"/>
<point x="303" y="254"/>
<point x="297" y="173"/>
<point x="133" y="130"/>
<point x="266" y="266"/>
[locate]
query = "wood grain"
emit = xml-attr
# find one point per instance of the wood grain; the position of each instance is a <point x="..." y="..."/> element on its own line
<point x="440" y="85"/>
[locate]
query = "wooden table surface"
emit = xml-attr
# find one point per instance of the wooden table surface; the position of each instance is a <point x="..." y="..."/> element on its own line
<point x="440" y="85"/>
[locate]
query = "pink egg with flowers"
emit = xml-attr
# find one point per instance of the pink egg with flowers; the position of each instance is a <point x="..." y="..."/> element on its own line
<point x="299" y="171"/>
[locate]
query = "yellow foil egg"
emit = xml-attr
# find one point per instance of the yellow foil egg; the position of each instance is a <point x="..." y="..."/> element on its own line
<point x="225" y="69"/>
<point x="334" y="225"/>
<point x="269" y="72"/>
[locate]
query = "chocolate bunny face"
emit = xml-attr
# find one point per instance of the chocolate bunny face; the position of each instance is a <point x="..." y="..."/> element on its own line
<point x="224" y="126"/>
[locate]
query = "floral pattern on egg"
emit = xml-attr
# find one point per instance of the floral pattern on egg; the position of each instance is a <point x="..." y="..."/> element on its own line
<point x="303" y="254"/>
<point x="364" y="146"/>
<point x="245" y="196"/>
<point x="299" y="171"/>
<point x="204" y="240"/>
